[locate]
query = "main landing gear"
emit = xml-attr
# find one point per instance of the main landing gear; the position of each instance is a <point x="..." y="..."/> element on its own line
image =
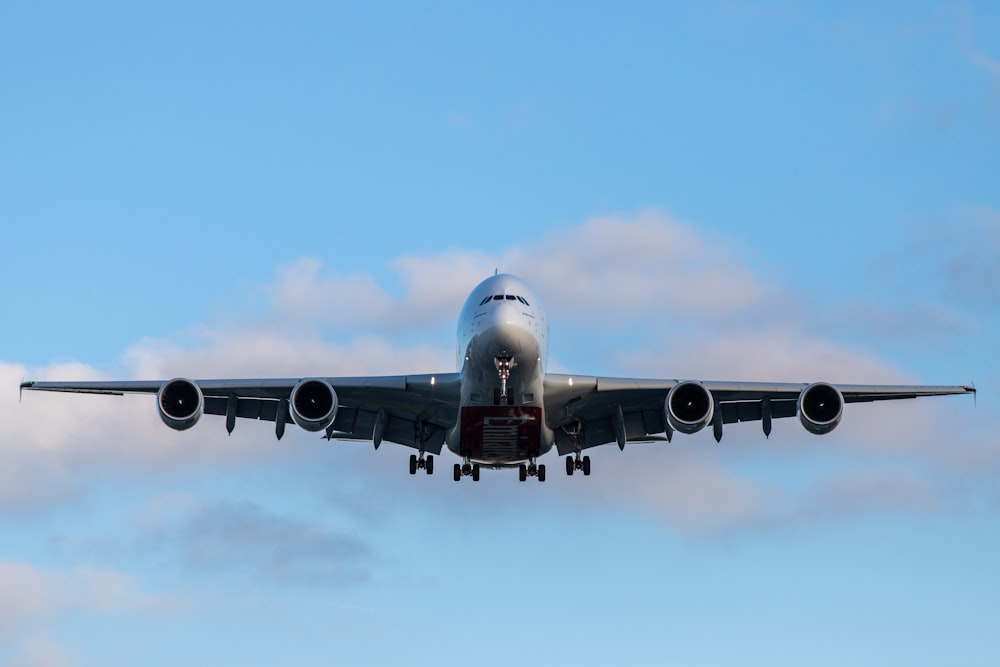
<point x="467" y="470"/>
<point x="422" y="463"/>
<point x="531" y="470"/>
<point x="577" y="463"/>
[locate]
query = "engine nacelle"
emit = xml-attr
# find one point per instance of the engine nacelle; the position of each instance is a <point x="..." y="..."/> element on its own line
<point x="820" y="407"/>
<point x="689" y="407"/>
<point x="180" y="403"/>
<point x="313" y="404"/>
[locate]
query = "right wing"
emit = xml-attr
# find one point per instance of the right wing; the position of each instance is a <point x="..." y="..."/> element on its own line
<point x="590" y="411"/>
<point x="411" y="410"/>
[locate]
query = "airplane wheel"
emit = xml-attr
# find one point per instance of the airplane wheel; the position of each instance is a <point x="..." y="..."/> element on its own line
<point x="522" y="472"/>
<point x="586" y="465"/>
<point x="541" y="473"/>
<point x="413" y="464"/>
<point x="475" y="473"/>
<point x="458" y="472"/>
<point x="570" y="466"/>
<point x="430" y="465"/>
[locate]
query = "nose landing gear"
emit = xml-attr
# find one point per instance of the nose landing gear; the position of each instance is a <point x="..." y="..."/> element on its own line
<point x="504" y="362"/>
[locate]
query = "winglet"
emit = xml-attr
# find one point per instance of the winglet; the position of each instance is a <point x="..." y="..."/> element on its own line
<point x="975" y="395"/>
<point x="24" y="385"/>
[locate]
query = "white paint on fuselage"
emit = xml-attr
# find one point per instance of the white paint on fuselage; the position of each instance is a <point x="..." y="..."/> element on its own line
<point x="488" y="327"/>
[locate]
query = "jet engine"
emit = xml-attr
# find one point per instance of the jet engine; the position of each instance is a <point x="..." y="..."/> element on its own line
<point x="313" y="404"/>
<point x="820" y="407"/>
<point x="689" y="407"/>
<point x="180" y="403"/>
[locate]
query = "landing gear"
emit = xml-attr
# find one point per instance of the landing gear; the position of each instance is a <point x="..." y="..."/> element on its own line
<point x="529" y="469"/>
<point x="422" y="463"/>
<point x="467" y="469"/>
<point x="504" y="362"/>
<point x="578" y="463"/>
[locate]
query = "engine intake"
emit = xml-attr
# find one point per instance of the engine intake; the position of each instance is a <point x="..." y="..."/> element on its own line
<point x="689" y="407"/>
<point x="820" y="407"/>
<point x="313" y="404"/>
<point x="180" y="403"/>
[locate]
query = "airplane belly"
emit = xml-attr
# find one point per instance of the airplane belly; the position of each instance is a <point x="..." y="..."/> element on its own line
<point x="500" y="433"/>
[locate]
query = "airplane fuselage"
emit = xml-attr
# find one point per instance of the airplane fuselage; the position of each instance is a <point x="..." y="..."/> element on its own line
<point x="503" y="338"/>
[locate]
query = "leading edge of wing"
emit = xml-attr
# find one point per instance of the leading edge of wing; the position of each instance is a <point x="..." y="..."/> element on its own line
<point x="742" y="391"/>
<point x="250" y="388"/>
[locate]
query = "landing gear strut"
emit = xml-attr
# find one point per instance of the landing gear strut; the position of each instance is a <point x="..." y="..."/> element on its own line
<point x="577" y="463"/>
<point x="504" y="362"/>
<point x="531" y="470"/>
<point x="422" y="463"/>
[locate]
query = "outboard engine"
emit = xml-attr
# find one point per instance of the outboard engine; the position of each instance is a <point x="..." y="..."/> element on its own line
<point x="180" y="403"/>
<point x="313" y="404"/>
<point x="689" y="407"/>
<point x="820" y="407"/>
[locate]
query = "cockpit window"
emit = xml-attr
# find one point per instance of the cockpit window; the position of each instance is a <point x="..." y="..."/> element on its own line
<point x="504" y="297"/>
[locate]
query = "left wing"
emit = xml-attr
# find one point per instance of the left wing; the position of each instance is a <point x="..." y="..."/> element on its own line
<point x="589" y="411"/>
<point x="411" y="410"/>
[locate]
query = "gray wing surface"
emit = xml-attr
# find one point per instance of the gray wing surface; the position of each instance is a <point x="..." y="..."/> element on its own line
<point x="413" y="410"/>
<point x="594" y="411"/>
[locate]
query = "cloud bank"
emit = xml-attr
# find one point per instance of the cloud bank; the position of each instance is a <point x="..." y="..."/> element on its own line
<point x="649" y="295"/>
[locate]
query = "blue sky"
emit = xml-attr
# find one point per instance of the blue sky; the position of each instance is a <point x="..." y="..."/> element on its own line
<point x="724" y="190"/>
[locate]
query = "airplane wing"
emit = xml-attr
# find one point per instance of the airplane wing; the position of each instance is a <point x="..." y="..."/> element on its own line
<point x="590" y="411"/>
<point x="411" y="410"/>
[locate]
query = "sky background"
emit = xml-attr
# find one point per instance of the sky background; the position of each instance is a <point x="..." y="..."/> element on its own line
<point x="722" y="190"/>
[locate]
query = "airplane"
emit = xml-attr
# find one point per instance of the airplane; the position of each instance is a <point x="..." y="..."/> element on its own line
<point x="501" y="409"/>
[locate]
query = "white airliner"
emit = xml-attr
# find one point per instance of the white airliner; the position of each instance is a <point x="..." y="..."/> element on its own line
<point x="501" y="409"/>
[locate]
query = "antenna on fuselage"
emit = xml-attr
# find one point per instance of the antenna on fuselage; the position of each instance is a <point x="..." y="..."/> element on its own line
<point x="496" y="272"/>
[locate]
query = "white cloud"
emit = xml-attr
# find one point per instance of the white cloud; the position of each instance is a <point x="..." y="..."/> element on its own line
<point x="33" y="599"/>
<point x="38" y="652"/>
<point x="29" y="594"/>
<point x="652" y="265"/>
